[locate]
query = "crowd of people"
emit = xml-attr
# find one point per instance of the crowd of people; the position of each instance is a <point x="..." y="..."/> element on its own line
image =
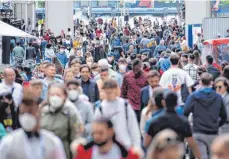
<point x="107" y="92"/>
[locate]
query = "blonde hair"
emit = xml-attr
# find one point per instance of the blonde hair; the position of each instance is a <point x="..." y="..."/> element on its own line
<point x="160" y="138"/>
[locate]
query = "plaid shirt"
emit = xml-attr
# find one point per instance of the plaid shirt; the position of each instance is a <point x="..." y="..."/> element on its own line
<point x="191" y="69"/>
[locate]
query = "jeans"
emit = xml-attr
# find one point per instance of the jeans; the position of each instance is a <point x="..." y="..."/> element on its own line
<point x="204" y="142"/>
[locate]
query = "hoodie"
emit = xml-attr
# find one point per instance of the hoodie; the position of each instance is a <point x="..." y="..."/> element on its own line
<point x="208" y="110"/>
<point x="62" y="57"/>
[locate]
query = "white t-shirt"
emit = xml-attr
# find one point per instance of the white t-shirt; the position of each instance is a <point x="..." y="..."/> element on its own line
<point x="173" y="79"/>
<point x="114" y="153"/>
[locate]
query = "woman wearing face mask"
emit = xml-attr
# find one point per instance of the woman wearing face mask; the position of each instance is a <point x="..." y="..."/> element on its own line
<point x="61" y="116"/>
<point x="166" y="145"/>
<point x="75" y="94"/>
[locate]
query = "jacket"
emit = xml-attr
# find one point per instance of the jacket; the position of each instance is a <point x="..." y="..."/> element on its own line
<point x="87" y="154"/>
<point x="18" y="52"/>
<point x="159" y="47"/>
<point x="64" y="123"/>
<point x="86" y="112"/>
<point x="208" y="110"/>
<point x="49" y="53"/>
<point x="49" y="144"/>
<point x="16" y="89"/>
<point x="124" y="120"/>
<point x="145" y="96"/>
<point x="62" y="57"/>
<point x="226" y="103"/>
<point x="30" y="53"/>
<point x="90" y="89"/>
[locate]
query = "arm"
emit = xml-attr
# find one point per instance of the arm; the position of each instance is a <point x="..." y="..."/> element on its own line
<point x="133" y="128"/>
<point x="26" y="54"/>
<point x="193" y="145"/>
<point x="143" y="122"/>
<point x="189" y="82"/>
<point x="189" y="105"/>
<point x="59" y="152"/>
<point x="147" y="140"/>
<point x="89" y="119"/>
<point x="124" y="88"/>
<point x="75" y="124"/>
<point x="96" y="93"/>
<point x="155" y="52"/>
<point x="223" y="114"/>
<point x="17" y="94"/>
<point x="34" y="53"/>
<point x="5" y="147"/>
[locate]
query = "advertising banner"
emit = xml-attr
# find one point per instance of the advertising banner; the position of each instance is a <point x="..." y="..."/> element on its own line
<point x="220" y="8"/>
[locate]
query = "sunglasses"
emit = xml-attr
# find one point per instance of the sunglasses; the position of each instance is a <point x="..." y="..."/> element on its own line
<point x="218" y="87"/>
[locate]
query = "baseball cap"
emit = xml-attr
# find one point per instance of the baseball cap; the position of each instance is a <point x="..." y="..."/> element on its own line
<point x="103" y="63"/>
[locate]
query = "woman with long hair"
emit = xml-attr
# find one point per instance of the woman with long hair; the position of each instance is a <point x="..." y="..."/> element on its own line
<point x="197" y="60"/>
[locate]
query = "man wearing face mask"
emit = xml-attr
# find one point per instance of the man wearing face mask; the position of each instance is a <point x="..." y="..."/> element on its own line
<point x="84" y="107"/>
<point x="104" y="144"/>
<point x="111" y="60"/>
<point x="122" y="67"/>
<point x="62" y="56"/>
<point x="30" y="141"/>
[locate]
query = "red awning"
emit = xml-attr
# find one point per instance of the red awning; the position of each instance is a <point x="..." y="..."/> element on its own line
<point x="217" y="41"/>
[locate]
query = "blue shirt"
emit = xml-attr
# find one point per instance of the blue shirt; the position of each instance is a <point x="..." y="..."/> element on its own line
<point x="154" y="116"/>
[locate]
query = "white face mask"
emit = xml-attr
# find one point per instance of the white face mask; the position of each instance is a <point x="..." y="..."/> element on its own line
<point x="27" y="121"/>
<point x="95" y="73"/>
<point x="56" y="102"/>
<point x="122" y="67"/>
<point x="73" y="95"/>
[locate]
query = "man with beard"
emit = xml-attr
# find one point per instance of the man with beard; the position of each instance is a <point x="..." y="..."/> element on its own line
<point x="131" y="87"/>
<point x="153" y="78"/>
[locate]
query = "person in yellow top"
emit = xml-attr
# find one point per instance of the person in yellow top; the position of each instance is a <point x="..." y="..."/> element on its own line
<point x="77" y="43"/>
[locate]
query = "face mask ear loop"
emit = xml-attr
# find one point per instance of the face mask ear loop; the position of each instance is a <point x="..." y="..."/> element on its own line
<point x="89" y="145"/>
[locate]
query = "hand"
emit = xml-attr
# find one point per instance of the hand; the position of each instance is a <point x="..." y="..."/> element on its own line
<point x="7" y="100"/>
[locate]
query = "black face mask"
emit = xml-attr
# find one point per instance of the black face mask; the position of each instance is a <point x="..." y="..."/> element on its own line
<point x="4" y="105"/>
<point x="101" y="143"/>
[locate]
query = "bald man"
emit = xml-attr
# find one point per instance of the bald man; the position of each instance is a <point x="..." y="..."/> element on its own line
<point x="9" y="84"/>
<point x="220" y="147"/>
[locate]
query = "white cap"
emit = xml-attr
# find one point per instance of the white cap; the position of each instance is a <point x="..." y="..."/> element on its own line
<point x="103" y="63"/>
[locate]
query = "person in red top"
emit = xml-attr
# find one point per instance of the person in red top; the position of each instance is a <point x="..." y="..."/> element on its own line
<point x="133" y="81"/>
<point x="98" y="32"/>
<point x="104" y="144"/>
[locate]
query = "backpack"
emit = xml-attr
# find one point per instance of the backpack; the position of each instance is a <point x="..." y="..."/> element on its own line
<point x="214" y="71"/>
<point x="126" y="110"/>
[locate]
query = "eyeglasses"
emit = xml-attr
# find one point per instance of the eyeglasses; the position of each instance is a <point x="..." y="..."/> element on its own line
<point x="218" y="87"/>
